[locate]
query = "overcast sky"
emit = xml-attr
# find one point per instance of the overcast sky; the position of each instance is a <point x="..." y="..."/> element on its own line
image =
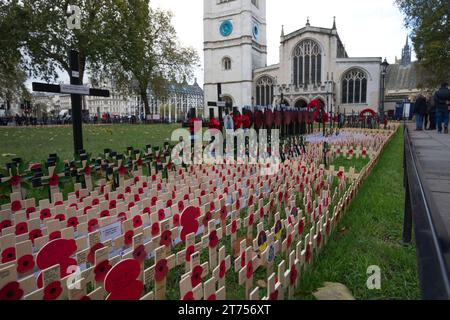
<point x="368" y="28"/>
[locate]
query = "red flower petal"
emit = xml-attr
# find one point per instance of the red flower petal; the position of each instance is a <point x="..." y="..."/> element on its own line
<point x="11" y="292"/>
<point x="161" y="270"/>
<point x="196" y="276"/>
<point x="101" y="270"/>
<point x="8" y="255"/>
<point x="21" y="228"/>
<point x="25" y="264"/>
<point x="52" y="291"/>
<point x="128" y="237"/>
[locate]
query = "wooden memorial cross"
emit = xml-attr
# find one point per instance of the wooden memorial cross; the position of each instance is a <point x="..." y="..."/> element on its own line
<point x="196" y="275"/>
<point x="249" y="222"/>
<point x="220" y="271"/>
<point x="210" y="292"/>
<point x="187" y="292"/>
<point x="291" y="276"/>
<point x="163" y="264"/>
<point x="233" y="228"/>
<point x="291" y="232"/>
<point x="211" y="240"/>
<point x="184" y="256"/>
<point x="269" y="254"/>
<point x="76" y="90"/>
<point x="246" y="272"/>
<point x="274" y="288"/>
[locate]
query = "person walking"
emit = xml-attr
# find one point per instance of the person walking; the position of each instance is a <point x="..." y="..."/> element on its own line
<point x="431" y="108"/>
<point x="442" y="98"/>
<point x="419" y="110"/>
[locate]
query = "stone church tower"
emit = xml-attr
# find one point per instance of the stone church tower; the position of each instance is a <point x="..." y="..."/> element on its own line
<point x="235" y="44"/>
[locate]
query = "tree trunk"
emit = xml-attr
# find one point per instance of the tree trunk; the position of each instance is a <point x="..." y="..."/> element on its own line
<point x="144" y="97"/>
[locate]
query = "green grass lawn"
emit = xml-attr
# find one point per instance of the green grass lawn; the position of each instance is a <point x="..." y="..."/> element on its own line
<point x="35" y="144"/>
<point x="370" y="234"/>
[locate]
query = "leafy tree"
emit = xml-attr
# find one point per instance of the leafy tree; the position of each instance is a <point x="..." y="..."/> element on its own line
<point x="430" y="26"/>
<point x="12" y="76"/>
<point x="143" y="49"/>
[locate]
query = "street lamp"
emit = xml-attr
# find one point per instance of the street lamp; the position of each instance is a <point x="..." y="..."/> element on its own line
<point x="384" y="66"/>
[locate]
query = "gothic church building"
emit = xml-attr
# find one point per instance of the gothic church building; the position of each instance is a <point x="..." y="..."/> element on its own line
<point x="313" y="63"/>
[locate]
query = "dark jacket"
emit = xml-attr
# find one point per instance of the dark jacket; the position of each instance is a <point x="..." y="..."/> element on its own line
<point x="421" y="106"/>
<point x="441" y="97"/>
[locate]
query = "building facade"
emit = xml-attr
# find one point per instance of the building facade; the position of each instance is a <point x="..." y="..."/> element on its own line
<point x="314" y="63"/>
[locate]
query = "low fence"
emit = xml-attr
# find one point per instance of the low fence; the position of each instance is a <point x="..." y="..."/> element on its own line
<point x="432" y="238"/>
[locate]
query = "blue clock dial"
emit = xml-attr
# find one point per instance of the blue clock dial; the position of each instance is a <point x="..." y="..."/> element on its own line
<point x="255" y="31"/>
<point x="226" y="28"/>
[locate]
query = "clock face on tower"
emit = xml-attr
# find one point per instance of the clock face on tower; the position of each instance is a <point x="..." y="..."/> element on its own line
<point x="255" y="30"/>
<point x="226" y="28"/>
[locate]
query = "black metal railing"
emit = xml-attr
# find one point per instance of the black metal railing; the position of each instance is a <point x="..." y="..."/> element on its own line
<point x="431" y="236"/>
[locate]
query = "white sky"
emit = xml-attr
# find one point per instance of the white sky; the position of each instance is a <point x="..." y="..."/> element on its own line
<point x="368" y="28"/>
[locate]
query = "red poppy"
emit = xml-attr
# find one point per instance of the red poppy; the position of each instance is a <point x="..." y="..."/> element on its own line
<point x="101" y="270"/>
<point x="60" y="217"/>
<point x="180" y="206"/>
<point x="112" y="204"/>
<point x="176" y="219"/>
<point x="137" y="198"/>
<point x="293" y="275"/>
<point x="85" y="298"/>
<point x="86" y="209"/>
<point x="128" y="237"/>
<point x="91" y="254"/>
<point x="121" y="217"/>
<point x="93" y="225"/>
<point x="328" y="227"/>
<point x="206" y="219"/>
<point x="212" y="297"/>
<point x="196" y="276"/>
<point x="87" y="170"/>
<point x="222" y="269"/>
<point x="159" y="187"/>
<point x="122" y="170"/>
<point x="189" y="296"/>
<point x="104" y="213"/>
<point x="166" y="238"/>
<point x="16" y="206"/>
<point x="308" y="253"/>
<point x="340" y="175"/>
<point x="54" y="181"/>
<point x="161" y="270"/>
<point x="155" y="229"/>
<point x="25" y="264"/>
<point x="289" y="241"/>
<point x="137" y="221"/>
<point x="72" y="222"/>
<point x="243" y="259"/>
<point x="15" y="181"/>
<point x="139" y="253"/>
<point x="52" y="291"/>
<point x="140" y="191"/>
<point x="234" y="226"/>
<point x="55" y="235"/>
<point x="30" y="211"/>
<point x="249" y="269"/>
<point x="161" y="214"/>
<point x="21" y="228"/>
<point x="223" y="213"/>
<point x="121" y="196"/>
<point x="34" y="234"/>
<point x="274" y="295"/>
<point x="169" y="203"/>
<point x="251" y="219"/>
<point x="45" y="214"/>
<point x="11" y="292"/>
<point x="130" y="205"/>
<point x="95" y="202"/>
<point x="189" y="251"/>
<point x="213" y="239"/>
<point x="153" y="201"/>
<point x="301" y="227"/>
<point x="8" y="255"/>
<point x="319" y="239"/>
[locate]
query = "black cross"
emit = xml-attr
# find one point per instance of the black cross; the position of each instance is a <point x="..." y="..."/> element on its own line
<point x="76" y="90"/>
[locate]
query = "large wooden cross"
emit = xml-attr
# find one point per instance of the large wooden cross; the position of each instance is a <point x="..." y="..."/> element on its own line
<point x="76" y="90"/>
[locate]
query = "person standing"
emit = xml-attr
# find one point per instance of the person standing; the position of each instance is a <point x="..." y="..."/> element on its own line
<point x="420" y="109"/>
<point x="441" y="98"/>
<point x="431" y="108"/>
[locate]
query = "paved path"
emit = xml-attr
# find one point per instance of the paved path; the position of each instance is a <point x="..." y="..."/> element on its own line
<point x="433" y="151"/>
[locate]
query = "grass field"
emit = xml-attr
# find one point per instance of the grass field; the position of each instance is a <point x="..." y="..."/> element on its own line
<point x="35" y="144"/>
<point x="370" y="234"/>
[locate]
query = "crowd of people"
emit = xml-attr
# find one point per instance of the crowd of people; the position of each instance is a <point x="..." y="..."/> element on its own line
<point x="432" y="110"/>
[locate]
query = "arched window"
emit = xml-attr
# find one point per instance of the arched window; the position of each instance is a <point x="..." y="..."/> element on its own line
<point x="307" y="63"/>
<point x="354" y="87"/>
<point x="264" y="91"/>
<point x="226" y="63"/>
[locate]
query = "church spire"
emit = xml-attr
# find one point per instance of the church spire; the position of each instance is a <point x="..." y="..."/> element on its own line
<point x="334" y="23"/>
<point x="282" y="31"/>
<point x="406" y="54"/>
<point x="307" y="22"/>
